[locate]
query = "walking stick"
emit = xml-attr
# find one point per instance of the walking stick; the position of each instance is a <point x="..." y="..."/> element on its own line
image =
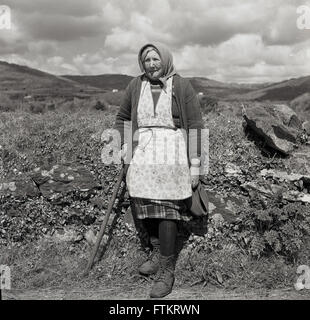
<point x="106" y="219"/>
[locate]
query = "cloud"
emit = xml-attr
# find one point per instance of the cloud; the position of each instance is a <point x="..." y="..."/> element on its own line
<point x="73" y="8"/>
<point x="282" y="29"/>
<point x="244" y="58"/>
<point x="62" y="28"/>
<point x="229" y="40"/>
<point x="100" y="63"/>
<point x="12" y="41"/>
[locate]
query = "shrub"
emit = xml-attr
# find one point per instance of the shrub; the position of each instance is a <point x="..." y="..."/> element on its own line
<point x="36" y="108"/>
<point x="208" y="104"/>
<point x="301" y="105"/>
<point x="51" y="107"/>
<point x="274" y="229"/>
<point x="101" y="105"/>
<point x="6" y="104"/>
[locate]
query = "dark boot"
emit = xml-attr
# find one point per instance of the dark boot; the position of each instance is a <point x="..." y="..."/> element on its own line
<point x="164" y="280"/>
<point x="151" y="266"/>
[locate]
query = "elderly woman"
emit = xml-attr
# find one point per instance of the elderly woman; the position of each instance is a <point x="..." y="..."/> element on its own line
<point x="158" y="110"/>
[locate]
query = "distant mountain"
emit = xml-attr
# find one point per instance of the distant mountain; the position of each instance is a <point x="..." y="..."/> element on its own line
<point x="222" y="90"/>
<point x="285" y="90"/>
<point x="200" y="84"/>
<point x="103" y="81"/>
<point x="205" y="83"/>
<point x="21" y="80"/>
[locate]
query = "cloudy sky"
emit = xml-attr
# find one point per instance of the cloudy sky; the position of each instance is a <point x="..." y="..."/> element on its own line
<point x="226" y="40"/>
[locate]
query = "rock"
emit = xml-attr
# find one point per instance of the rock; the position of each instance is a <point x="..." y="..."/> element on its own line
<point x="63" y="179"/>
<point x="232" y="170"/>
<point x="278" y="125"/>
<point x="217" y="219"/>
<point x="67" y="235"/>
<point x="306" y="127"/>
<point x="110" y="151"/>
<point x="225" y="206"/>
<point x="90" y="237"/>
<point x="287" y="115"/>
<point x="267" y="190"/>
<point x="128" y="218"/>
<point x="296" y="196"/>
<point x="19" y="187"/>
<point x="98" y="202"/>
<point x="282" y="175"/>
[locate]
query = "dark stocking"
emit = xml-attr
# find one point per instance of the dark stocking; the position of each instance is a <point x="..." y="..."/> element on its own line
<point x="167" y="236"/>
<point x="151" y="226"/>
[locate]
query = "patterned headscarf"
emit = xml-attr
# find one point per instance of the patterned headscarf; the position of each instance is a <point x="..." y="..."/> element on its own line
<point x="166" y="59"/>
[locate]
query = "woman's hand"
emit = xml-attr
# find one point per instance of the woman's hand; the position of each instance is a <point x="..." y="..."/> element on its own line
<point x="123" y="152"/>
<point x="194" y="170"/>
<point x="195" y="180"/>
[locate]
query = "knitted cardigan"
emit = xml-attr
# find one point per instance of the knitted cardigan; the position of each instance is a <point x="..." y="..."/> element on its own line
<point x="186" y="114"/>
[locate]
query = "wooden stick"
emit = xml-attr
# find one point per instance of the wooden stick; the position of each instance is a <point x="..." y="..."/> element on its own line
<point x="105" y="221"/>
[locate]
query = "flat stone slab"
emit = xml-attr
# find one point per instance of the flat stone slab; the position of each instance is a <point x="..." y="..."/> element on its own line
<point x="226" y="206"/>
<point x="296" y="196"/>
<point x="282" y="175"/>
<point x="63" y="179"/>
<point x="266" y="189"/>
<point x="19" y="187"/>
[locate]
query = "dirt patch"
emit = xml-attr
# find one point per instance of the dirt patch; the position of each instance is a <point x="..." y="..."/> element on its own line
<point x="119" y="293"/>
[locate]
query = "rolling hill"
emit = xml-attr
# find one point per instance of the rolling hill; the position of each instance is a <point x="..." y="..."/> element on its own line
<point x="285" y="90"/>
<point x="104" y="81"/>
<point x="17" y="80"/>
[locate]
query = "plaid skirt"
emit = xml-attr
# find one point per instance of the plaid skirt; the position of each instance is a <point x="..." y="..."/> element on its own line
<point x="161" y="209"/>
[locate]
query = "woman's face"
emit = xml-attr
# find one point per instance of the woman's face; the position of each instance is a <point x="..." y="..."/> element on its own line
<point x="153" y="65"/>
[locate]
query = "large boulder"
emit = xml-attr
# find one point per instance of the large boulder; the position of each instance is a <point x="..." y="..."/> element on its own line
<point x="277" y="124"/>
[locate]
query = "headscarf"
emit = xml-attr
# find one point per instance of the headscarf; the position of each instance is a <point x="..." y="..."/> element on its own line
<point x="166" y="60"/>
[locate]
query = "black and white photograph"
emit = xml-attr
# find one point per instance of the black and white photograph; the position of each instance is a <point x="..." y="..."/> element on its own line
<point x="155" y="155"/>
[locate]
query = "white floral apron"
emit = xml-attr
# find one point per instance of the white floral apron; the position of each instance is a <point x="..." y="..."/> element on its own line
<point x="159" y="167"/>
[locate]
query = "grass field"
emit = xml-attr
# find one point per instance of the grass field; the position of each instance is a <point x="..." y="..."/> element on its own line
<point x="218" y="257"/>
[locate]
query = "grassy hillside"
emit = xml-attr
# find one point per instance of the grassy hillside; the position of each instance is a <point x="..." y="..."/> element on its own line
<point x="18" y="81"/>
<point x="249" y="253"/>
<point x="224" y="255"/>
<point x="16" y="77"/>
